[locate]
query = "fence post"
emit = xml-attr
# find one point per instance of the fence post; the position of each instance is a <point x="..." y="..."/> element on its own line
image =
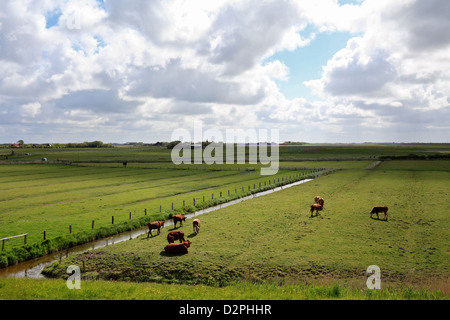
<point x="172" y="205"/>
<point x="3" y="245"/>
<point x="130" y="215"/>
<point x="25" y="239"/>
<point x="70" y="228"/>
<point x="183" y="203"/>
<point x="92" y="224"/>
<point x="45" y="235"/>
<point x="145" y="211"/>
<point x="112" y="219"/>
<point x="194" y="201"/>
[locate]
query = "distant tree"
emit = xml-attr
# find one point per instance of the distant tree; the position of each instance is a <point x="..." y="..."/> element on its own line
<point x="95" y="144"/>
<point x="20" y="143"/>
<point x="172" y="144"/>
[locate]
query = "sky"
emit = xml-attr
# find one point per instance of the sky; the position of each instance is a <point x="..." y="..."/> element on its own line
<point x="322" y="71"/>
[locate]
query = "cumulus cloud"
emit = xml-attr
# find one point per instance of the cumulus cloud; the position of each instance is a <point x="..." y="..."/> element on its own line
<point x="31" y="109"/>
<point x="395" y="70"/>
<point x="120" y="69"/>
<point x="244" y="33"/>
<point x="353" y="71"/>
<point x="186" y="84"/>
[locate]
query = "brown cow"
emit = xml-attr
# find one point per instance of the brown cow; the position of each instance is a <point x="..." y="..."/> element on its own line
<point x="316" y="207"/>
<point x="178" y="248"/>
<point x="319" y="200"/>
<point x="378" y="209"/>
<point x="196" y="225"/>
<point x="154" y="225"/>
<point x="178" y="218"/>
<point x="175" y="235"/>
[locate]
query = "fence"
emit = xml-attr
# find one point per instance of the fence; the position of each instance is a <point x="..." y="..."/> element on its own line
<point x="18" y="236"/>
<point x="283" y="180"/>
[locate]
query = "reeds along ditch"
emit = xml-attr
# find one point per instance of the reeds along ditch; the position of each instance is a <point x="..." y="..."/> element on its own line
<point x="30" y="251"/>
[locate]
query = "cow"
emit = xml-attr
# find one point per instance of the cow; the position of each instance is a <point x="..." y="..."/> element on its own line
<point x="196" y="225"/>
<point x="175" y="235"/>
<point x="319" y="200"/>
<point x="378" y="209"/>
<point x="178" y="248"/>
<point x="178" y="218"/>
<point x="154" y="225"/>
<point x="316" y="207"/>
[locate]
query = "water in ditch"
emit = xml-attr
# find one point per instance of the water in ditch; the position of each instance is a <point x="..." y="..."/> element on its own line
<point x="33" y="268"/>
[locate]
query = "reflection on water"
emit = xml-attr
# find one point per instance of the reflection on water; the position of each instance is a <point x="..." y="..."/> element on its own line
<point x="33" y="268"/>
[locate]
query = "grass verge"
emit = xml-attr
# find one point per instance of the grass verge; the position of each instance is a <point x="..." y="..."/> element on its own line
<point x="31" y="289"/>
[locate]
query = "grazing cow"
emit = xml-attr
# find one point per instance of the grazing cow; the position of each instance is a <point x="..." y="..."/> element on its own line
<point x="178" y="218"/>
<point x="376" y="210"/>
<point x="154" y="225"/>
<point x="178" y="248"/>
<point x="196" y="225"/>
<point x="317" y="207"/>
<point x="319" y="200"/>
<point x="175" y="235"/>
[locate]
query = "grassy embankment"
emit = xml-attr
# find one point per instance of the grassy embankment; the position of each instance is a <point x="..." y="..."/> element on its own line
<point x="56" y="289"/>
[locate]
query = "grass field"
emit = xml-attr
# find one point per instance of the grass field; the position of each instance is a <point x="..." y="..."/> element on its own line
<point x="265" y="248"/>
<point x="42" y="197"/>
<point x="273" y="239"/>
<point x="162" y="154"/>
<point x="56" y="289"/>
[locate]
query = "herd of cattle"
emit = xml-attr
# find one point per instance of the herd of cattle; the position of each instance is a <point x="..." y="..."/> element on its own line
<point x="172" y="247"/>
<point x="182" y="247"/>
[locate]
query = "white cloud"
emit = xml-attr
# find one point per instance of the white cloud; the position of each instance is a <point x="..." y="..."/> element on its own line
<point x="31" y="109"/>
<point x="162" y="64"/>
<point x="354" y="71"/>
<point x="394" y="70"/>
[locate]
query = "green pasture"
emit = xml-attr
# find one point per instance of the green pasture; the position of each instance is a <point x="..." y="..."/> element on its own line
<point x="38" y="197"/>
<point x="265" y="248"/>
<point x="358" y="151"/>
<point x="122" y="153"/>
<point x="286" y="152"/>
<point x="283" y="165"/>
<point x="56" y="289"/>
<point x="274" y="240"/>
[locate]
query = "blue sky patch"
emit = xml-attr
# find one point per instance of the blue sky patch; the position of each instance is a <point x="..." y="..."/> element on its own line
<point x="306" y="63"/>
<point x="52" y="18"/>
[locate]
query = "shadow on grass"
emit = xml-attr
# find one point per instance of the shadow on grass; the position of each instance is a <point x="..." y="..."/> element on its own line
<point x="192" y="235"/>
<point x="378" y="219"/>
<point x="317" y="215"/>
<point x="165" y="254"/>
<point x="175" y="228"/>
<point x="149" y="236"/>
